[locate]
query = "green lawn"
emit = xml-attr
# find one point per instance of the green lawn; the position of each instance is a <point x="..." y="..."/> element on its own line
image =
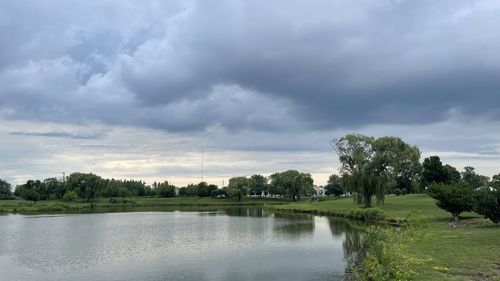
<point x="471" y="251"/>
<point x="128" y="204"/>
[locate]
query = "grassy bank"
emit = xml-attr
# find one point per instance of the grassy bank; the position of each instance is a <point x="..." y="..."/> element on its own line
<point x="471" y="251"/>
<point x="127" y="204"/>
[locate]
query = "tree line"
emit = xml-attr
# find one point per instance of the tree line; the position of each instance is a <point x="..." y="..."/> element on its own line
<point x="88" y="186"/>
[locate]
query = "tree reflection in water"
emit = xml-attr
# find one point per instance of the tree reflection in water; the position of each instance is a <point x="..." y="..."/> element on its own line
<point x="245" y="212"/>
<point x="350" y="231"/>
<point x="294" y="225"/>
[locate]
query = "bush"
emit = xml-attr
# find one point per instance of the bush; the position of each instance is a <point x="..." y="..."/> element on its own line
<point x="455" y="198"/>
<point x="384" y="256"/>
<point x="488" y="204"/>
<point x="69" y="196"/>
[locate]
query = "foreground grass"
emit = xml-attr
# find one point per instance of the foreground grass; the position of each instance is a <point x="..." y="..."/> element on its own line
<point x="471" y="251"/>
<point x="128" y="204"/>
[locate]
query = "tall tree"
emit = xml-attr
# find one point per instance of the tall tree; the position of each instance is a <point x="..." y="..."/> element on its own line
<point x="433" y="171"/>
<point x="238" y="187"/>
<point x="52" y="188"/>
<point x="371" y="167"/>
<point x="469" y="175"/>
<point x="334" y="186"/>
<point x="260" y="185"/>
<point x="203" y="190"/>
<point x="293" y="184"/>
<point x="164" y="189"/>
<point x="87" y="186"/>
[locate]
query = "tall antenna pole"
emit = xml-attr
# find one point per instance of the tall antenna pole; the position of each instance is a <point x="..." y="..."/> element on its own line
<point x="202" y="164"/>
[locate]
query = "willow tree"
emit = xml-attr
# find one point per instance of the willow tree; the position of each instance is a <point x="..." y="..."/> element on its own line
<point x="238" y="187"/>
<point x="371" y="166"/>
<point x="292" y="184"/>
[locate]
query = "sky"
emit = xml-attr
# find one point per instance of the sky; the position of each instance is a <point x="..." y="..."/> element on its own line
<point x="137" y="89"/>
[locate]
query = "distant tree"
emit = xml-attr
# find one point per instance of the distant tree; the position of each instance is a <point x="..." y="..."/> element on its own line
<point x="52" y="188"/>
<point x="112" y="188"/>
<point x="164" y="190"/>
<point x="5" y="189"/>
<point x="219" y="192"/>
<point x="29" y="191"/>
<point x="31" y="195"/>
<point x="275" y="187"/>
<point x="455" y="198"/>
<point x="261" y="186"/>
<point x="488" y="203"/>
<point x="183" y="191"/>
<point x="293" y="184"/>
<point x="87" y="186"/>
<point x="238" y="187"/>
<point x="433" y="171"/>
<point x="202" y="190"/>
<point x="469" y="175"/>
<point x="189" y="190"/>
<point x="212" y="188"/>
<point x="452" y="173"/>
<point x="333" y="186"/>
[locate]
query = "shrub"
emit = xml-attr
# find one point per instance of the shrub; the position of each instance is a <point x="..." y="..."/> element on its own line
<point x="455" y="198"/>
<point x="69" y="196"/>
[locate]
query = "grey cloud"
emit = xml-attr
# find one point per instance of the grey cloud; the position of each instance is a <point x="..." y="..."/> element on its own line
<point x="62" y="134"/>
<point x="189" y="66"/>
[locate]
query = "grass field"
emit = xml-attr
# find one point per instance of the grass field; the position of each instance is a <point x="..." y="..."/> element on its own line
<point x="471" y="251"/>
<point x="129" y="204"/>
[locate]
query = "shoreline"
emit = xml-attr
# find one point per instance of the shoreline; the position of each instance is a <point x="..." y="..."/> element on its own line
<point x="103" y="205"/>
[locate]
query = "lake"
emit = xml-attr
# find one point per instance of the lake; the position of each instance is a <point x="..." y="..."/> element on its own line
<point x="229" y="244"/>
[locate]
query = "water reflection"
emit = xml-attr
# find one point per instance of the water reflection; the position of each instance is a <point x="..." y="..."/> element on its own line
<point x="300" y="226"/>
<point x="218" y="244"/>
<point x="245" y="212"/>
<point x="350" y="231"/>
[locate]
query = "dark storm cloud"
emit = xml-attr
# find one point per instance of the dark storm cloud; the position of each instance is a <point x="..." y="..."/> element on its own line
<point x="281" y="65"/>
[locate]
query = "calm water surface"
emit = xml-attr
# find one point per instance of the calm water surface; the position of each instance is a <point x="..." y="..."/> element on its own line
<point x="231" y="244"/>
